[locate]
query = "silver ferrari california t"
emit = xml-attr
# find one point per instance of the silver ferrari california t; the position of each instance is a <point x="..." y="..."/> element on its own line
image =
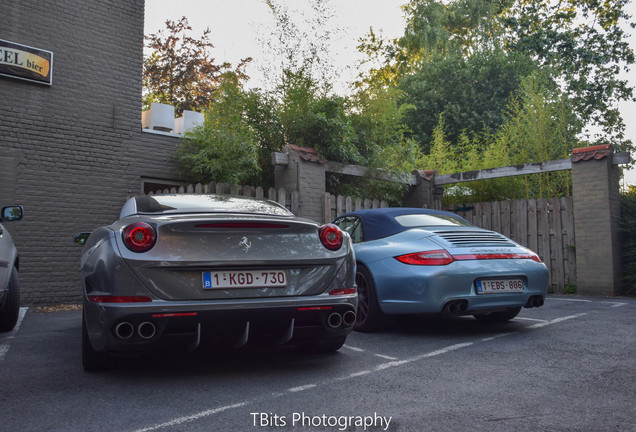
<point x="9" y="266"/>
<point x="420" y="261"/>
<point x="183" y="271"/>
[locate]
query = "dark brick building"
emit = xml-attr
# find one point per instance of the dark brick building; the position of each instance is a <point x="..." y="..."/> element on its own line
<point x="73" y="151"/>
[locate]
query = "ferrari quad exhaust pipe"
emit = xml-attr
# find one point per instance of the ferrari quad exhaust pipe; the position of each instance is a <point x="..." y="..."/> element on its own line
<point x="334" y="320"/>
<point x="349" y="318"/>
<point x="146" y="330"/>
<point x="124" y="330"/>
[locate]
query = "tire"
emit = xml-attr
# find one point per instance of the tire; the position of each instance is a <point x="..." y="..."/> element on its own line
<point x="498" y="317"/>
<point x="92" y="361"/>
<point x="11" y="309"/>
<point x="323" y="346"/>
<point x="369" y="317"/>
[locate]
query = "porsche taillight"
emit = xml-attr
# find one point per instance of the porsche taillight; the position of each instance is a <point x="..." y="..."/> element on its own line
<point x="436" y="257"/>
<point x="139" y="237"/>
<point x="331" y="237"/>
<point x="442" y="257"/>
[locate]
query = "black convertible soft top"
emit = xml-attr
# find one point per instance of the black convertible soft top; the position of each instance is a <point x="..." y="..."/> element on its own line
<point x="384" y="222"/>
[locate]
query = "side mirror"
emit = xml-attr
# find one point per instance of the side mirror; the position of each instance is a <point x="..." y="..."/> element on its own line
<point x="80" y="239"/>
<point x="12" y="213"/>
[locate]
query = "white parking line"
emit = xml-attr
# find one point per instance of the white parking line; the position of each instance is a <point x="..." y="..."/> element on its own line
<point x="487" y="339"/>
<point x="611" y="303"/>
<point x="353" y="348"/>
<point x="530" y="319"/>
<point x="569" y="299"/>
<point x="4" y="348"/>
<point x="193" y="417"/>
<point x="21" y="314"/>
<point x="356" y="349"/>
<point x="385" y="357"/>
<point x="301" y="388"/>
<point x="378" y="368"/>
<point x="557" y="320"/>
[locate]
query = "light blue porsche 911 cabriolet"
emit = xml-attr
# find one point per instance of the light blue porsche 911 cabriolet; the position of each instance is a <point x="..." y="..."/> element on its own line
<point x="420" y="261"/>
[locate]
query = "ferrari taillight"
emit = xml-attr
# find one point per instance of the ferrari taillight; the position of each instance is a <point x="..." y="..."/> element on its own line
<point x="436" y="257"/>
<point x="331" y="237"/>
<point x="139" y="237"/>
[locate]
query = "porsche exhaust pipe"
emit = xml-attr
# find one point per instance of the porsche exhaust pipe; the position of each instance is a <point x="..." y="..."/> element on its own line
<point x="349" y="318"/>
<point x="334" y="320"/>
<point x="124" y="330"/>
<point x="454" y="307"/>
<point x="146" y="330"/>
<point x="534" y="301"/>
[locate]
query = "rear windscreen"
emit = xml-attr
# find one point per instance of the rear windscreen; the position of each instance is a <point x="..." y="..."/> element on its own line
<point x="419" y="220"/>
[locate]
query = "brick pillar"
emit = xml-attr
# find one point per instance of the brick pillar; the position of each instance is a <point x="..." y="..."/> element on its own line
<point x="424" y="194"/>
<point x="595" y="190"/>
<point x="303" y="171"/>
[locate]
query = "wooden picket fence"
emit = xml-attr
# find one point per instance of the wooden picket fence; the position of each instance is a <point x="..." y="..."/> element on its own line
<point x="544" y="225"/>
<point x="336" y="205"/>
<point x="332" y="205"/>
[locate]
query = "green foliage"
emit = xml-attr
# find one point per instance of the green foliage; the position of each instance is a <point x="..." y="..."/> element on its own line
<point x="180" y="71"/>
<point x="628" y="237"/>
<point x="470" y="92"/>
<point x="539" y="127"/>
<point x="313" y="119"/>
<point x="382" y="142"/>
<point x="301" y="44"/>
<point x="585" y="46"/>
<point x="579" y="43"/>
<point x="225" y="148"/>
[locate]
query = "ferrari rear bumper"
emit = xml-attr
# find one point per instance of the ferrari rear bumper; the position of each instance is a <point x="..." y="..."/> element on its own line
<point x="130" y="328"/>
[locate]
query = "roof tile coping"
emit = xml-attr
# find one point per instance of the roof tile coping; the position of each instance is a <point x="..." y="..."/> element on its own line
<point x="593" y="152"/>
<point x="307" y="153"/>
<point x="425" y="174"/>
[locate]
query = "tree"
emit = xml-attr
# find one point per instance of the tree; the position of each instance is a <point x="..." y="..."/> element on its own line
<point x="225" y="148"/>
<point x="470" y="92"/>
<point x="301" y="44"/>
<point x="180" y="70"/>
<point x="584" y="45"/>
<point x="539" y="126"/>
<point x="580" y="43"/>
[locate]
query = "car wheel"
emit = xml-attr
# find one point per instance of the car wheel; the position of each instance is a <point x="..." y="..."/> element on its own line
<point x="499" y="316"/>
<point x="92" y="361"/>
<point x="322" y="346"/>
<point x="11" y="309"/>
<point x="369" y="317"/>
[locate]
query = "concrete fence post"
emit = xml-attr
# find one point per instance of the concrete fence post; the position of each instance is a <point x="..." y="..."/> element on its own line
<point x="595" y="191"/>
<point x="424" y="194"/>
<point x="299" y="169"/>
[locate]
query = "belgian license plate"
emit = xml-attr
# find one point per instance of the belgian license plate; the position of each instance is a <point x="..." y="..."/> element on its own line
<point x="244" y="279"/>
<point x="499" y="286"/>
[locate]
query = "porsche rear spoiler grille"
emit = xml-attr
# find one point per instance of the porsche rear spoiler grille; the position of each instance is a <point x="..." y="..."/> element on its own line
<point x="474" y="238"/>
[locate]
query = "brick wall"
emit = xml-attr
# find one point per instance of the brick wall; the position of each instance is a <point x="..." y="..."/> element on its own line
<point x="71" y="153"/>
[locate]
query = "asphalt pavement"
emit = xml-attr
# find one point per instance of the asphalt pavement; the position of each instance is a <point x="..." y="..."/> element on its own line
<point x="567" y="366"/>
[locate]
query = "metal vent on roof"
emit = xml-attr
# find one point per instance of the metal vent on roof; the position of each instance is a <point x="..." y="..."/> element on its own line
<point x="474" y="238"/>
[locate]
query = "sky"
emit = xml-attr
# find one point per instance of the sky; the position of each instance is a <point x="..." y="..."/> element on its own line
<point x="239" y="27"/>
